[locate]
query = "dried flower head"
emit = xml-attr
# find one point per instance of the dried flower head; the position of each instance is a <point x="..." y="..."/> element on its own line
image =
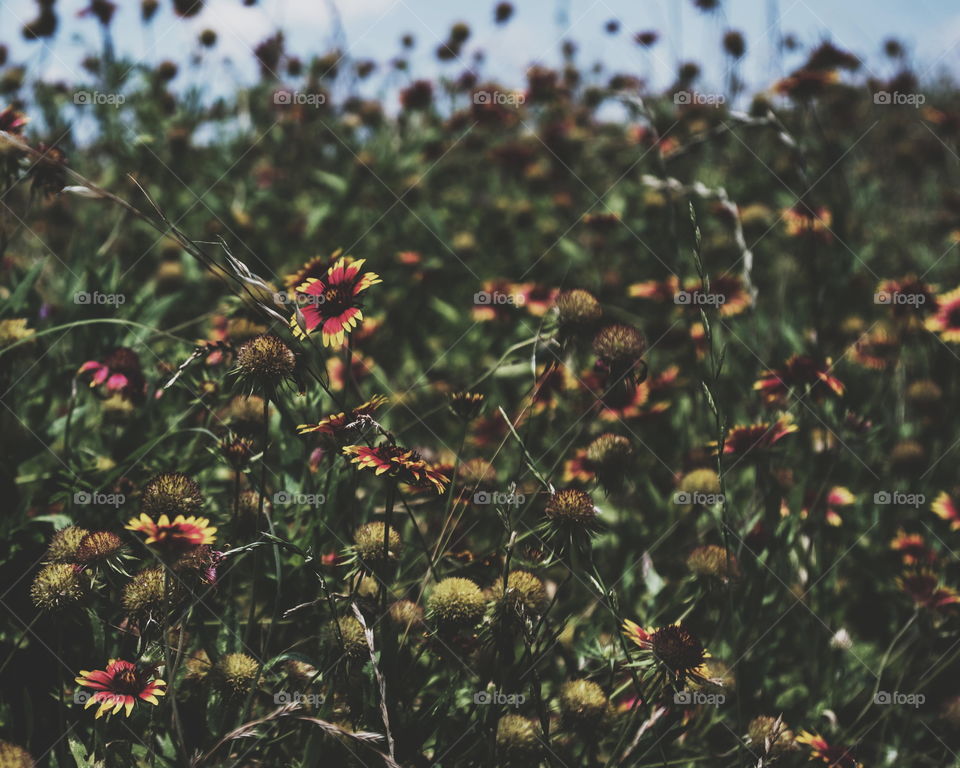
<point x="456" y="603"/>
<point x="583" y="704"/>
<point x="354" y="640"/>
<point x="12" y="756"/>
<point x="368" y="541"/>
<point x="98" y="546"/>
<point x="713" y="561"/>
<point x="145" y="595"/>
<point x="619" y="350"/>
<point x="63" y="545"/>
<point x="524" y="591"/>
<point x="771" y="735"/>
<point x="236" y="673"/>
<point x="171" y="493"/>
<point x="56" y="586"/>
<point x="577" y="310"/>
<point x="265" y="363"/>
<point x="518" y="740"/>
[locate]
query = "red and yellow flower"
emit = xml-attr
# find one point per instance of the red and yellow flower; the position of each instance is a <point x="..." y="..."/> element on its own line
<point x="180" y="534"/>
<point x="912" y="547"/>
<point x="799" y="372"/>
<point x="120" y="686"/>
<point x="945" y="321"/>
<point x="833" y="756"/>
<point x="945" y="507"/>
<point x="925" y="590"/>
<point x="673" y="646"/>
<point x="827" y="506"/>
<point x="395" y="461"/>
<point x="743" y="439"/>
<point x="802" y="220"/>
<point x="337" y="423"/>
<point x="119" y="373"/>
<point x="876" y="350"/>
<point x="332" y="302"/>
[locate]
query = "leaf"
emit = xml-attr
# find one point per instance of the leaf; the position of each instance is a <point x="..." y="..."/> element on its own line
<point x="18" y="297"/>
<point x="651" y="578"/>
<point x="79" y="753"/>
<point x="332" y="181"/>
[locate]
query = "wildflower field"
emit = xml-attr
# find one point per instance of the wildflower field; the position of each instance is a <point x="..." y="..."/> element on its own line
<point x="354" y="415"/>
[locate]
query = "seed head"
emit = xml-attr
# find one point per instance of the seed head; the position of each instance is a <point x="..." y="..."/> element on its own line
<point x="577" y="310"/>
<point x="63" y="545"/>
<point x="98" y="546"/>
<point x="236" y="673"/>
<point x="171" y="494"/>
<point x="56" y="586"/>
<point x="518" y="739"/>
<point x="368" y="540"/>
<point x="456" y="603"/>
<point x="265" y="363"/>
<point x="583" y="704"/>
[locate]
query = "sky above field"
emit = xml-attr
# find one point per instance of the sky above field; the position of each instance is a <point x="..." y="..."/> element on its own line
<point x="371" y="29"/>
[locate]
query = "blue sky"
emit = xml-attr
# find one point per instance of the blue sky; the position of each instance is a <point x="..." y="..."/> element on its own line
<point x="929" y="28"/>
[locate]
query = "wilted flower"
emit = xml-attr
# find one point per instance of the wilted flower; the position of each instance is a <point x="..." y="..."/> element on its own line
<point x="925" y="590"/>
<point x="121" y="685"/>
